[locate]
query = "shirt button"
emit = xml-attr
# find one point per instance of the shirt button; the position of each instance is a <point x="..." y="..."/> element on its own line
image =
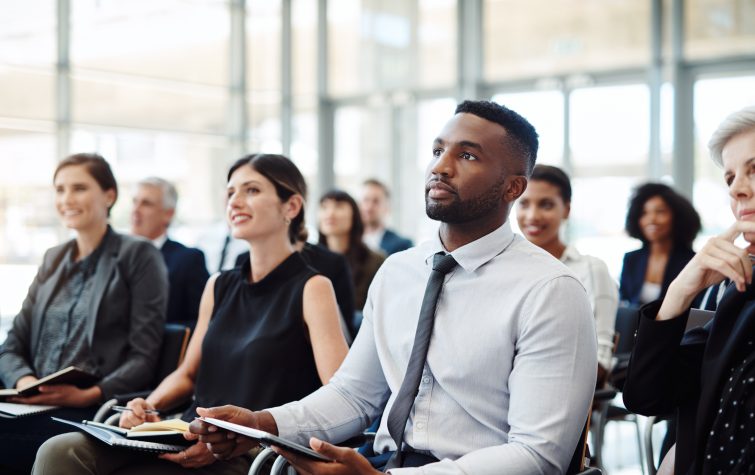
<point x="420" y="426"/>
<point x="426" y="380"/>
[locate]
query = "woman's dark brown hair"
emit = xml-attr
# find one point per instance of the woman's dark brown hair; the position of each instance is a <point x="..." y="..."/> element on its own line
<point x="357" y="252"/>
<point x="96" y="166"/>
<point x="286" y="178"/>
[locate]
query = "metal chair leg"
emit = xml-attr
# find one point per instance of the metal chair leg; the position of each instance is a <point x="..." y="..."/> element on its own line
<point x="648" y="444"/>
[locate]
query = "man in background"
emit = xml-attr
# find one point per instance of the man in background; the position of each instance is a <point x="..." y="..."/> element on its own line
<point x="375" y="207"/>
<point x="154" y="206"/>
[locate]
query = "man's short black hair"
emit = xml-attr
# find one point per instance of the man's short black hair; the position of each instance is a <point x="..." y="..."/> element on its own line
<point x="685" y="220"/>
<point x="522" y="135"/>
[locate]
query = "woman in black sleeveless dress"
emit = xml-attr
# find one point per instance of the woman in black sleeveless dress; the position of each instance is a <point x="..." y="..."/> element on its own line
<point x="268" y="332"/>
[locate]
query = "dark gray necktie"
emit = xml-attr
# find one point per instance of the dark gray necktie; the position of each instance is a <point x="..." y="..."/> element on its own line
<point x="442" y="265"/>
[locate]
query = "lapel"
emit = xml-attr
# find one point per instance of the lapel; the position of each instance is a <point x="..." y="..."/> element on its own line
<point x="48" y="288"/>
<point x="105" y="269"/>
<point x="733" y="322"/>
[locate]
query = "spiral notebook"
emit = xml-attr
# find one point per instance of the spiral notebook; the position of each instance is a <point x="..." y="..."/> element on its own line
<point x="112" y="436"/>
<point x="13" y="410"/>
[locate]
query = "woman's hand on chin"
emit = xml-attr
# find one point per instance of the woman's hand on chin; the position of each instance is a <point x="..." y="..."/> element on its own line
<point x="717" y="260"/>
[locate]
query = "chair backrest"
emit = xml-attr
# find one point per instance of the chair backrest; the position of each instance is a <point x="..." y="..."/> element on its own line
<point x="175" y="341"/>
<point x="577" y="463"/>
<point x="627" y="322"/>
<point x="698" y="318"/>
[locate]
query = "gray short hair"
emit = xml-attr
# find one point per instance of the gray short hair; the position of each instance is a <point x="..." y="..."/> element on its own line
<point x="734" y="124"/>
<point x="170" y="195"/>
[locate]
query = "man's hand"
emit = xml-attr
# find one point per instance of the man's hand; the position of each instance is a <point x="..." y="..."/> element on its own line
<point x="195" y="456"/>
<point x="66" y="395"/>
<point x="224" y="444"/>
<point x="138" y="414"/>
<point x="346" y="461"/>
<point x="719" y="258"/>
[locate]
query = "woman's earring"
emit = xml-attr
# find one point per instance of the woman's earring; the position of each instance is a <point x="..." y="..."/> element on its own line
<point x="287" y="220"/>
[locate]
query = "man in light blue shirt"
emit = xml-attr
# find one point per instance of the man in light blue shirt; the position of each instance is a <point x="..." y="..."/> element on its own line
<point x="510" y="370"/>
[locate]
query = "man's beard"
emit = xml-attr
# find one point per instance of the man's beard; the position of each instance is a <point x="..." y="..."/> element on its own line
<point x="458" y="211"/>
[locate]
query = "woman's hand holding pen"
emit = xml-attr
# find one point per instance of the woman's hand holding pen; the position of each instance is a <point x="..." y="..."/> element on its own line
<point x="140" y="412"/>
<point x="718" y="259"/>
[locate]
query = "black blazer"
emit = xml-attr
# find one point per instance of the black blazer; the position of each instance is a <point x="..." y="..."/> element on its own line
<point x="187" y="274"/>
<point x="126" y="321"/>
<point x="392" y="243"/>
<point x="670" y="370"/>
<point x="635" y="266"/>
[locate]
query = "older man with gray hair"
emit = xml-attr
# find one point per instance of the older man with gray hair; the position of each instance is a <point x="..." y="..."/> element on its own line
<point x="154" y="206"/>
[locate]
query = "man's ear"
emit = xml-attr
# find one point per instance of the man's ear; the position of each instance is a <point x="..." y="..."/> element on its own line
<point x="514" y="186"/>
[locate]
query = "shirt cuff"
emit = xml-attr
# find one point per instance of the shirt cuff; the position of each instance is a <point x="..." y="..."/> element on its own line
<point x="285" y="422"/>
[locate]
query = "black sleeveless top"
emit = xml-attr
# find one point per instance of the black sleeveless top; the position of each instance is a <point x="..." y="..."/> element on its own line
<point x="256" y="352"/>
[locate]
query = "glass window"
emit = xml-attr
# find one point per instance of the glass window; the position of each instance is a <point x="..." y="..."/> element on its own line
<point x="362" y="145"/>
<point x="263" y="61"/>
<point x="27" y="59"/>
<point x="118" y="101"/>
<point x="545" y="111"/>
<point x="394" y="44"/>
<point x="609" y="137"/>
<point x="169" y="39"/>
<point x="719" y="28"/>
<point x="715" y="98"/>
<point x="556" y="36"/>
<point x="609" y="130"/>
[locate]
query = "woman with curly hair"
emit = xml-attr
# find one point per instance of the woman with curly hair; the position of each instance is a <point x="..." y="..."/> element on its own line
<point x="666" y="223"/>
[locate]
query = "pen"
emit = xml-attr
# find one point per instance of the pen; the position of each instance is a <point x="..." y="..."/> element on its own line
<point x="125" y="409"/>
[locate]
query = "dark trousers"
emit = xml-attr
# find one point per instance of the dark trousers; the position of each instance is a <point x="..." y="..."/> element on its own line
<point x="21" y="437"/>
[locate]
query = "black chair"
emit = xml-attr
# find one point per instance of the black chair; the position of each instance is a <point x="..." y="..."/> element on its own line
<point x="172" y="351"/>
<point x="627" y="323"/>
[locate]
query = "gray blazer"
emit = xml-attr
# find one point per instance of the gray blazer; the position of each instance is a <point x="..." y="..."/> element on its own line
<point x="126" y="321"/>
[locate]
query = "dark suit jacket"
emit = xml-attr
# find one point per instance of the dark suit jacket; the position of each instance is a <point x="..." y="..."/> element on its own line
<point x="334" y="267"/>
<point x="187" y="274"/>
<point x="636" y="264"/>
<point x="126" y="321"/>
<point x="392" y="243"/>
<point x="670" y="370"/>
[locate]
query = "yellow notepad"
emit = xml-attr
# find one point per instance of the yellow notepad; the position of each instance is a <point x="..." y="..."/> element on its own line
<point x="176" y="425"/>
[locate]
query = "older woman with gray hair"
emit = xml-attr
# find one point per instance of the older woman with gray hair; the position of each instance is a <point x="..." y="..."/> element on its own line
<point x="708" y="374"/>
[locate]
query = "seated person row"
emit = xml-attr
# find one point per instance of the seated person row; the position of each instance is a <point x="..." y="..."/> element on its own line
<point x="506" y="379"/>
<point x="541" y="211"/>
<point x="707" y="375"/>
<point x="154" y="206"/>
<point x="97" y="302"/>
<point x="268" y="332"/>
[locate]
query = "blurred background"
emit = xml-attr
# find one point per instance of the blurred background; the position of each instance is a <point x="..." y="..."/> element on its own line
<point x="621" y="91"/>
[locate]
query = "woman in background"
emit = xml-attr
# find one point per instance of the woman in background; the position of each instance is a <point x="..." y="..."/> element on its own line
<point x="340" y="230"/>
<point x="541" y="211"/>
<point x="667" y="224"/>
<point x="98" y="302"/>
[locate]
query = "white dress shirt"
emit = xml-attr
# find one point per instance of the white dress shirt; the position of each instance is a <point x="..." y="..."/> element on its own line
<point x="510" y="371"/>
<point x="604" y="297"/>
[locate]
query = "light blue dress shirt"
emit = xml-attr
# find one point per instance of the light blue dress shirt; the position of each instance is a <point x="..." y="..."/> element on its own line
<point x="510" y="371"/>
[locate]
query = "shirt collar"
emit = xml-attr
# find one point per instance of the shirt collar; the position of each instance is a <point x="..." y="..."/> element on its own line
<point x="160" y="240"/>
<point x="473" y="255"/>
<point x="570" y="254"/>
